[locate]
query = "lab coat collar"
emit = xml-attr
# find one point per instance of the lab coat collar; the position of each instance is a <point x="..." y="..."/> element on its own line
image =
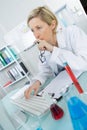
<point x="61" y="37"/>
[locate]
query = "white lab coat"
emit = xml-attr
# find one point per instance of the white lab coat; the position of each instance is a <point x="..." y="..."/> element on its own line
<point x="72" y="42"/>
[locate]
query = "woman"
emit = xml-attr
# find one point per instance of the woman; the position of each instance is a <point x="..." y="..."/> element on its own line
<point x="69" y="43"/>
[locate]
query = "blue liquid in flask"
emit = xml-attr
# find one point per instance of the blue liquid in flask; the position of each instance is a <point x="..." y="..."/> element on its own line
<point x="39" y="128"/>
<point x="78" y="113"/>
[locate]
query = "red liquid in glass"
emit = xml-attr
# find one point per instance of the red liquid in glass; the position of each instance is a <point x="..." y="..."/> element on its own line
<point x="73" y="77"/>
<point x="56" y="111"/>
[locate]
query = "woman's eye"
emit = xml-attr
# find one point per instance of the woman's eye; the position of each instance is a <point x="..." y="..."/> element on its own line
<point x="38" y="27"/>
<point x="32" y="30"/>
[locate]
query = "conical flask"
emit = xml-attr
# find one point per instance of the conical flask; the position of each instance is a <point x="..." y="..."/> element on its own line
<point x="77" y="110"/>
<point x="56" y="111"/>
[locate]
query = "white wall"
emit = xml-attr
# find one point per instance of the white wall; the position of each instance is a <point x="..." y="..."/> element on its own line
<point x="14" y="12"/>
<point x="78" y="13"/>
<point x="76" y="9"/>
<point x="55" y="4"/>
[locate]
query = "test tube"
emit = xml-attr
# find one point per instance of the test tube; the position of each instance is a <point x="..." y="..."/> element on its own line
<point x="73" y="77"/>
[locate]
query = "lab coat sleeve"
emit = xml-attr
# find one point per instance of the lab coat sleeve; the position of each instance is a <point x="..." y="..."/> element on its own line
<point x="45" y="72"/>
<point x="77" y="57"/>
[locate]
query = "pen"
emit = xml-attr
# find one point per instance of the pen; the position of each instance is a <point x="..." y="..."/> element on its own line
<point x="31" y="46"/>
<point x="72" y="76"/>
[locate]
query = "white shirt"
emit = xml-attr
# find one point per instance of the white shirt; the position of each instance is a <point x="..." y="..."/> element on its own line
<point x="72" y="47"/>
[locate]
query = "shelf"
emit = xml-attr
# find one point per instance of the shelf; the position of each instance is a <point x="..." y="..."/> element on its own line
<point x="12" y="68"/>
<point x="9" y="64"/>
<point x="15" y="82"/>
<point x="4" y="67"/>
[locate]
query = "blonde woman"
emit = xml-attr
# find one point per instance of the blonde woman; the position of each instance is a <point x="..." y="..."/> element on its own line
<point x="69" y="43"/>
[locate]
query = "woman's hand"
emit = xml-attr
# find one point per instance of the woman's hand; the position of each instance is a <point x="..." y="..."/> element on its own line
<point x="34" y="87"/>
<point x="43" y="45"/>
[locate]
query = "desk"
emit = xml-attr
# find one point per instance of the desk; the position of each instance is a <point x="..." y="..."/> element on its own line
<point x="47" y="122"/>
<point x="5" y="121"/>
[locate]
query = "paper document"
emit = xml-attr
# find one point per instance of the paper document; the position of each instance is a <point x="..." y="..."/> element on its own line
<point x="59" y="84"/>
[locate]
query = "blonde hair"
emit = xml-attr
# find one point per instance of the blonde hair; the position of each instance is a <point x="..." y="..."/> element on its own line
<point x="44" y="14"/>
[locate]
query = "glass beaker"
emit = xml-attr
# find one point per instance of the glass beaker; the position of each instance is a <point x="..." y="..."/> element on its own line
<point x="40" y="126"/>
<point x="77" y="109"/>
<point x="56" y="111"/>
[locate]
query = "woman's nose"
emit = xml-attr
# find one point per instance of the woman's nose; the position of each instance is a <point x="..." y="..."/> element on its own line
<point x="37" y="35"/>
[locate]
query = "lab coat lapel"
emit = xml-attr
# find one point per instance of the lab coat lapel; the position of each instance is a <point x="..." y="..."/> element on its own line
<point x="61" y="38"/>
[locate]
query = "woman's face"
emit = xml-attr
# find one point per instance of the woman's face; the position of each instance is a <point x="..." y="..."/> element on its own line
<point x="41" y="29"/>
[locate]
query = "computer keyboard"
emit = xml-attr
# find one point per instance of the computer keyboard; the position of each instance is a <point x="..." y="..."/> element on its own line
<point x="35" y="105"/>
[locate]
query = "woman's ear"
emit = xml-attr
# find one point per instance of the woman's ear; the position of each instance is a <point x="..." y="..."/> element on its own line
<point x="53" y="24"/>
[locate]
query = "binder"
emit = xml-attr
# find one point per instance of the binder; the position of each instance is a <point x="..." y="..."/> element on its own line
<point x="2" y="60"/>
<point x="8" y="55"/>
<point x="6" y="58"/>
<point x="23" y="67"/>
